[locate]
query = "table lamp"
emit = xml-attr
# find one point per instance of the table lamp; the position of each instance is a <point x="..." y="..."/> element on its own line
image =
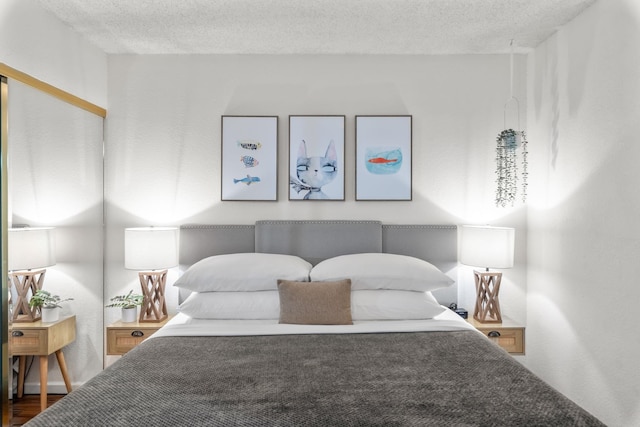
<point x="483" y="246"/>
<point x="152" y="250"/>
<point x="31" y="251"/>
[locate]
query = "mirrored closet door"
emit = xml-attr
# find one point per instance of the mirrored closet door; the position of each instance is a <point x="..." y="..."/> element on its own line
<point x="55" y="179"/>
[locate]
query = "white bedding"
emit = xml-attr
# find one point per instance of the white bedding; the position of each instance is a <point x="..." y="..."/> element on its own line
<point x="183" y="325"/>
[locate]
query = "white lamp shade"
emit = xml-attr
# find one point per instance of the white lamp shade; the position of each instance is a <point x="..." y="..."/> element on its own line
<point x="150" y="248"/>
<point x="31" y="248"/>
<point x="490" y="247"/>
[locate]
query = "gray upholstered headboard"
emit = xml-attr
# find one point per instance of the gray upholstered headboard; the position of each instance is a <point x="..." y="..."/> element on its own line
<point x="319" y="240"/>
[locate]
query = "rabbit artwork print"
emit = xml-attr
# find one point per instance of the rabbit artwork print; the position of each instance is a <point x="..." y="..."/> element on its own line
<point x="314" y="172"/>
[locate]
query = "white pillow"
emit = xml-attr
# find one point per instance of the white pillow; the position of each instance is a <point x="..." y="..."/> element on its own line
<point x="365" y="305"/>
<point x="232" y="305"/>
<point x="243" y="272"/>
<point x="393" y="305"/>
<point x="382" y="271"/>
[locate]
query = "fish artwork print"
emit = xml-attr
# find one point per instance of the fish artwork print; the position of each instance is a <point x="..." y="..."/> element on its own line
<point x="383" y="161"/>
<point x="248" y="180"/>
<point x="249" y="162"/>
<point x="249" y="144"/>
<point x="314" y="172"/>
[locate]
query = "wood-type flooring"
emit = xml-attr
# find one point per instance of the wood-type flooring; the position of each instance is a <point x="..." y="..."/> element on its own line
<point x="28" y="406"/>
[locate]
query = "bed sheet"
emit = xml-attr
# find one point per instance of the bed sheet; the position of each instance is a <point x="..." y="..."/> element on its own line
<point x="183" y="325"/>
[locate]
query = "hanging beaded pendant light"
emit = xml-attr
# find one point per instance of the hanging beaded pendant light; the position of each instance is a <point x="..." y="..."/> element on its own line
<point x="508" y="142"/>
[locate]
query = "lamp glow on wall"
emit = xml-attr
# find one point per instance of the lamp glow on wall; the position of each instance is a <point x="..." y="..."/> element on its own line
<point x="152" y="250"/>
<point x="489" y="247"/>
<point x="31" y="251"/>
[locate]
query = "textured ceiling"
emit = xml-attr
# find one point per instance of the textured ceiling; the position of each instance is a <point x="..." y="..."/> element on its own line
<point x="315" y="26"/>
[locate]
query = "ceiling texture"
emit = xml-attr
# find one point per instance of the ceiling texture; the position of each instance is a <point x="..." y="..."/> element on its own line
<point x="414" y="27"/>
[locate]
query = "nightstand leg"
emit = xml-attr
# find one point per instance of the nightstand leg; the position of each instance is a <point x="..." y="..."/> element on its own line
<point x="22" y="364"/>
<point x="63" y="370"/>
<point x="44" y="368"/>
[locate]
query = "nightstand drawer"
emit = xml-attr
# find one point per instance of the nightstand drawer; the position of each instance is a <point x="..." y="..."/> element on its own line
<point x="38" y="338"/>
<point x="28" y="341"/>
<point x="512" y="340"/>
<point x="120" y="341"/>
<point x="123" y="336"/>
<point x="509" y="334"/>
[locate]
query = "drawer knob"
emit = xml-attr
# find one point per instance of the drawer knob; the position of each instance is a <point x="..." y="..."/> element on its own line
<point x="137" y="334"/>
<point x="493" y="334"/>
<point x="17" y="333"/>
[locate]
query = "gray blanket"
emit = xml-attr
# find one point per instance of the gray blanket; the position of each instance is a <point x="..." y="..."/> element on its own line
<point x="391" y="379"/>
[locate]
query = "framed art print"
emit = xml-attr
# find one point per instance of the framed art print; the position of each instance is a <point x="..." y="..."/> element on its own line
<point x="316" y="157"/>
<point x="383" y="157"/>
<point x="249" y="158"/>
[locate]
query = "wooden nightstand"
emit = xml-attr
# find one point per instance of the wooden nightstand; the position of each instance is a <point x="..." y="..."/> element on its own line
<point x="42" y="339"/>
<point x="122" y="337"/>
<point x="508" y="334"/>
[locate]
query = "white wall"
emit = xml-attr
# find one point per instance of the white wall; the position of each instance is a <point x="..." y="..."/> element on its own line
<point x="163" y="142"/>
<point x="34" y="42"/>
<point x="583" y="232"/>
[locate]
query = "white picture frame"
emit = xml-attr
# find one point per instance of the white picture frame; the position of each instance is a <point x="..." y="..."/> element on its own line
<point x="249" y="154"/>
<point x="316" y="158"/>
<point x="384" y="158"/>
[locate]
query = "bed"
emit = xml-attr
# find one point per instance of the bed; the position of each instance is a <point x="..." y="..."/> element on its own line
<point x="316" y="323"/>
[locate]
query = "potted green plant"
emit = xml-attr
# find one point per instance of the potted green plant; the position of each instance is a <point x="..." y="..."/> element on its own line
<point x="48" y="304"/>
<point x="129" y="304"/>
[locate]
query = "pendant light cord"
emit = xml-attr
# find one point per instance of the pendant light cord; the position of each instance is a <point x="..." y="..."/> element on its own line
<point x="511" y="96"/>
<point x="511" y="70"/>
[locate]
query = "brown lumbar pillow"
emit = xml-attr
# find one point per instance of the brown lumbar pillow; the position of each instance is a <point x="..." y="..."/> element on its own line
<point x="315" y="303"/>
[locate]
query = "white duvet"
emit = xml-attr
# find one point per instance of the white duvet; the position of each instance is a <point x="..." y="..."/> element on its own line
<point x="183" y="325"/>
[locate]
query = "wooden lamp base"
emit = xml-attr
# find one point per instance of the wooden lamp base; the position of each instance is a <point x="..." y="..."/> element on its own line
<point x="154" y="306"/>
<point x="487" y="308"/>
<point x="27" y="283"/>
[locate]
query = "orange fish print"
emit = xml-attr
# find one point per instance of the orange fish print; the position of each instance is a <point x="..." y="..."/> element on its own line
<point x="382" y="160"/>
